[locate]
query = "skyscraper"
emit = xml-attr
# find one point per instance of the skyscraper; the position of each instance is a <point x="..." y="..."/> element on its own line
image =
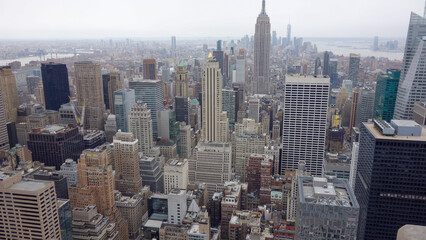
<point x="240" y="69"/>
<point x="95" y="181"/>
<point x="376" y="43"/>
<point x="150" y="69"/>
<point x="182" y="100"/>
<point x="54" y="144"/>
<point x="96" y="185"/>
<point x="211" y="101"/>
<point x="111" y="83"/>
<point x="151" y="93"/>
<point x="365" y="106"/>
<point x="326" y="63"/>
<point x="173" y="44"/>
<point x="211" y="164"/>
<point x="306" y="101"/>
<point x="229" y="104"/>
<point x="219" y="56"/>
<point x="140" y="124"/>
<point x="354" y="68"/>
<point x="354" y="108"/>
<point x="416" y="31"/>
<point x="274" y="38"/>
<point x="317" y="66"/>
<point x="262" y="49"/>
<point x="254" y="109"/>
<point x="55" y="85"/>
<point x="9" y="94"/>
<point x="332" y="73"/>
<point x="88" y="79"/>
<point x="181" y="80"/>
<point x="288" y="34"/>
<point x="390" y="184"/>
<point x="123" y="102"/>
<point x="185" y="141"/>
<point x="30" y="210"/>
<point x="386" y="91"/>
<point x="219" y="45"/>
<point x="4" y="140"/>
<point x="412" y="86"/>
<point x="126" y="157"/>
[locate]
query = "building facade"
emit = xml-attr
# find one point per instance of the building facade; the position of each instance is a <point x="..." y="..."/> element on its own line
<point x="150" y="69"/>
<point x="140" y="124"/>
<point x="55" y="85"/>
<point x="386" y="91"/>
<point x="354" y="68"/>
<point x="30" y="210"/>
<point x="89" y="86"/>
<point x="123" y="102"/>
<point x="320" y="198"/>
<point x="176" y="174"/>
<point x="9" y="94"/>
<point x="55" y="143"/>
<point x="4" y="140"/>
<point x="111" y="82"/>
<point x="304" y="130"/>
<point x="211" y="101"/>
<point x="389" y="185"/>
<point x="412" y="84"/>
<point x="211" y="164"/>
<point x="126" y="158"/>
<point x="150" y="92"/>
<point x="262" y="49"/>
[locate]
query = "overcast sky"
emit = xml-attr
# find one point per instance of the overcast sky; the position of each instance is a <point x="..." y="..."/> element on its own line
<point x="59" y="19"/>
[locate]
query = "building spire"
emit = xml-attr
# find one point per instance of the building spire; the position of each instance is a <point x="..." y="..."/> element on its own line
<point x="263" y="7"/>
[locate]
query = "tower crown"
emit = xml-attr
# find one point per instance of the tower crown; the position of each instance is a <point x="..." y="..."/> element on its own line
<point x="263" y="12"/>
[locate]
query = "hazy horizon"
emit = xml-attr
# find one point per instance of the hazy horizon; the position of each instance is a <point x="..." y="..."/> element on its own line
<point x="194" y="19"/>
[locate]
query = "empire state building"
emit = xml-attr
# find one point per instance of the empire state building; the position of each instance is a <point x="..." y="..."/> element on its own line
<point x="262" y="48"/>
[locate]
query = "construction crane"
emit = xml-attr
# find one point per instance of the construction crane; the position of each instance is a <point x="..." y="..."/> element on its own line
<point x="80" y="121"/>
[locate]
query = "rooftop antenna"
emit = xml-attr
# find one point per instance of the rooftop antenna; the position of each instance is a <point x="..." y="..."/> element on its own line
<point x="263" y="7"/>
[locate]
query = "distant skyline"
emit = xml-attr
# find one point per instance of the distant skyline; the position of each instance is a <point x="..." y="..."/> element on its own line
<point x="78" y="19"/>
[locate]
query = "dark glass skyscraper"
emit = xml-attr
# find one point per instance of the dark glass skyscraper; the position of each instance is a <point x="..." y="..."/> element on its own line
<point x="55" y="85"/>
<point x="390" y="179"/>
<point x="386" y="90"/>
<point x="326" y="63"/>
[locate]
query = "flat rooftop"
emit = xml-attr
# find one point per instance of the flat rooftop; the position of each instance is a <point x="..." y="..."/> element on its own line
<point x="153" y="224"/>
<point x="29" y="186"/>
<point x="323" y="191"/>
<point x="307" y="79"/>
<point x="213" y="146"/>
<point x="377" y="134"/>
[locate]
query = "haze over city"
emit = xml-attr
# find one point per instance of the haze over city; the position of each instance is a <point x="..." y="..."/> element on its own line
<point x="82" y="19"/>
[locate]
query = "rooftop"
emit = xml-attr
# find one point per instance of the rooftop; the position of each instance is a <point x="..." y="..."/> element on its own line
<point x="153" y="224"/>
<point x="29" y="185"/>
<point x="54" y="129"/>
<point x="323" y="191"/>
<point x="378" y="135"/>
<point x="248" y="217"/>
<point x="141" y="80"/>
<point x="176" y="191"/>
<point x="306" y="79"/>
<point x="179" y="162"/>
<point x="213" y="146"/>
